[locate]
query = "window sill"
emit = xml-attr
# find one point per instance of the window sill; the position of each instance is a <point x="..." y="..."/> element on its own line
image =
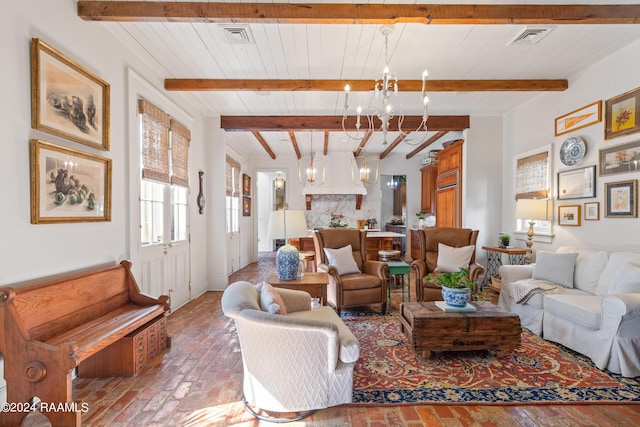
<point x="537" y="237"/>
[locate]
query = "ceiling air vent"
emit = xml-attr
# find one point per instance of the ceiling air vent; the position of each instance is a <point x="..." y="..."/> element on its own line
<point x="530" y="36"/>
<point x="238" y="34"/>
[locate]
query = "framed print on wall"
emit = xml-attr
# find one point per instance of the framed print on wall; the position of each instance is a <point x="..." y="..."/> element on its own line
<point x="67" y="100"/>
<point x="621" y="114"/>
<point x="580" y="118"/>
<point x="623" y="158"/>
<point x="246" y="206"/>
<point x="246" y="184"/>
<point x="592" y="211"/>
<point x="569" y="215"/>
<point x="577" y="183"/>
<point x="621" y="199"/>
<point x="68" y="185"/>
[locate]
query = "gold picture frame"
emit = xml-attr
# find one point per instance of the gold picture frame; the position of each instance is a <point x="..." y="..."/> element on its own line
<point x="578" y="119"/>
<point x="569" y="215"/>
<point x="592" y="211"/>
<point x="67" y="100"/>
<point x="621" y="114"/>
<point x="68" y="185"/>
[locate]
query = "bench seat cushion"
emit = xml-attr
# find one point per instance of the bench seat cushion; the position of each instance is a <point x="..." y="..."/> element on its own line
<point x="103" y="331"/>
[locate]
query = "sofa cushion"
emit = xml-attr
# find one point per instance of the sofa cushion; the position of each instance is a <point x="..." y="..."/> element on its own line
<point x="348" y="343"/>
<point x="555" y="267"/>
<point x="584" y="310"/>
<point x="628" y="281"/>
<point x="342" y="259"/>
<point x="589" y="266"/>
<point x="452" y="259"/>
<point x="610" y="274"/>
<point x="538" y="300"/>
<point x="270" y="299"/>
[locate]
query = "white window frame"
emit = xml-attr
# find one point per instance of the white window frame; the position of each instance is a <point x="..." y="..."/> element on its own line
<point x="543" y="230"/>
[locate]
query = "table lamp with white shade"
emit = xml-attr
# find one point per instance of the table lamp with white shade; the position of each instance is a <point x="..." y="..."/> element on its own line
<point x="285" y="224"/>
<point x="533" y="210"/>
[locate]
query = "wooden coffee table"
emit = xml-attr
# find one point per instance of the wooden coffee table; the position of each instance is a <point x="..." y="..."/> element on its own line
<point x="314" y="283"/>
<point x="428" y="328"/>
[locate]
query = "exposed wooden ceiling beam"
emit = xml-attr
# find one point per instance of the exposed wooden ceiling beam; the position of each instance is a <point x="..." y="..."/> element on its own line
<point x="264" y="144"/>
<point x="363" y="143"/>
<point x="292" y="135"/>
<point x="393" y="145"/>
<point x="326" y="13"/>
<point x="332" y="123"/>
<point x="427" y="143"/>
<point x="259" y="85"/>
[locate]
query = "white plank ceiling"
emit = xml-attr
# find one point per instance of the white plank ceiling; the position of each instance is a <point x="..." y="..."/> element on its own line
<point x="300" y="51"/>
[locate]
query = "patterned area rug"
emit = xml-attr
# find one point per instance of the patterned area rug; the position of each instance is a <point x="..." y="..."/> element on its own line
<point x="390" y="373"/>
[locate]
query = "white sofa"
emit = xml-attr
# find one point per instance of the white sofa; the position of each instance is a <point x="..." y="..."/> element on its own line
<point x="300" y="361"/>
<point x="599" y="316"/>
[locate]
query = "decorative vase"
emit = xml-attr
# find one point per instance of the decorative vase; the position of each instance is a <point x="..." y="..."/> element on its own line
<point x="421" y="223"/>
<point x="287" y="262"/>
<point x="456" y="297"/>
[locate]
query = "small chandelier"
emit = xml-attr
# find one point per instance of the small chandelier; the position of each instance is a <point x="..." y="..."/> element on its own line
<point x="386" y="84"/>
<point x="365" y="172"/>
<point x="279" y="182"/>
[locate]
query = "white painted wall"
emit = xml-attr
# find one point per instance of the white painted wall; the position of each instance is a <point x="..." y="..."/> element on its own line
<point x="29" y="252"/>
<point x="532" y="126"/>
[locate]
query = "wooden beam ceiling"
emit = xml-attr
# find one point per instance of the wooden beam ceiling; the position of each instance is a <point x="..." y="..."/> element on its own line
<point x="260" y="85"/>
<point x="294" y="142"/>
<point x="393" y="145"/>
<point x="326" y="13"/>
<point x="264" y="144"/>
<point x="332" y="123"/>
<point x="363" y="143"/>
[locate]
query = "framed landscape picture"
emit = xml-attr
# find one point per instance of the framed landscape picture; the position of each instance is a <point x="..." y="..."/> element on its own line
<point x="67" y="100"/>
<point x="68" y="185"/>
<point x="246" y="206"/>
<point x="579" y="118"/>
<point x="623" y="158"/>
<point x="621" y="114"/>
<point x="621" y="199"/>
<point x="246" y="184"/>
<point x="569" y="215"/>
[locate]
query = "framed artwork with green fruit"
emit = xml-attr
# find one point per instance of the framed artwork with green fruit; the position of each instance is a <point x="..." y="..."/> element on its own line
<point x="68" y="185"/>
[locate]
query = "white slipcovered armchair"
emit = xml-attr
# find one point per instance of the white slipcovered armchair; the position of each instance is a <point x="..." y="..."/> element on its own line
<point x="298" y="362"/>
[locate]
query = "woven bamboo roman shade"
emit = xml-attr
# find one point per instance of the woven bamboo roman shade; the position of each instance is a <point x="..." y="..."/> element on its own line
<point x="532" y="177"/>
<point x="155" y="142"/>
<point x="180" y="138"/>
<point x="233" y="177"/>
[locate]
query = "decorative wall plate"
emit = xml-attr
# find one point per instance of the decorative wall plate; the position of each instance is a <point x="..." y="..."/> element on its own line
<point x="572" y="151"/>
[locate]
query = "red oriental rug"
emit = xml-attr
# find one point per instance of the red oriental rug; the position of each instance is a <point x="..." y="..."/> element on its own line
<point x="389" y="372"/>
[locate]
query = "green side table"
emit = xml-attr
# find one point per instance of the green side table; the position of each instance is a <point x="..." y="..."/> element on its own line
<point x="398" y="268"/>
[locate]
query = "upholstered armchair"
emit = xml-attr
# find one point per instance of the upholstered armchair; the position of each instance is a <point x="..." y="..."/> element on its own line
<point x="353" y="281"/>
<point x="296" y="362"/>
<point x="427" y="290"/>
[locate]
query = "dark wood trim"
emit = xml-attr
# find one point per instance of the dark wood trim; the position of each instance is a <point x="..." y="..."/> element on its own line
<point x="427" y="143"/>
<point x="332" y="123"/>
<point x="260" y="85"/>
<point x="376" y="14"/>
<point x="264" y="144"/>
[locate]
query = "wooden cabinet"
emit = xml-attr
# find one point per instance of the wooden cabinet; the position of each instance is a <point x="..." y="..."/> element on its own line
<point x="303" y="243"/>
<point x="144" y="344"/>
<point x="428" y="197"/>
<point x="449" y="186"/>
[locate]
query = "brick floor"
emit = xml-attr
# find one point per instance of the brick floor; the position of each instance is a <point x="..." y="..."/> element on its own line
<point x="199" y="383"/>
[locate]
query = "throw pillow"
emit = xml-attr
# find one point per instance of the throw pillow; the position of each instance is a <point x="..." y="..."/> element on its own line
<point x="628" y="280"/>
<point x="453" y="259"/>
<point x="555" y="268"/>
<point x="270" y="299"/>
<point x="342" y="259"/>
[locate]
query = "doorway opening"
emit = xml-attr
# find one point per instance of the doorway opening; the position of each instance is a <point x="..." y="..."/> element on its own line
<point x="271" y="192"/>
